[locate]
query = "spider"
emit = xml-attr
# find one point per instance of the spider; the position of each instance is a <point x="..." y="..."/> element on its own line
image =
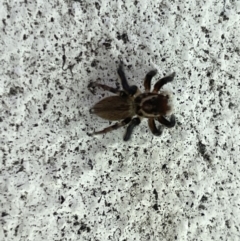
<point x="130" y="102"/>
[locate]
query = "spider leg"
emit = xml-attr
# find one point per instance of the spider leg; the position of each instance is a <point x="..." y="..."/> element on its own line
<point x="136" y="121"/>
<point x="168" y="123"/>
<point x="93" y="85"/>
<point x="148" y="79"/>
<point x="112" y="127"/>
<point x="162" y="82"/>
<point x="131" y="90"/>
<point x="152" y="125"/>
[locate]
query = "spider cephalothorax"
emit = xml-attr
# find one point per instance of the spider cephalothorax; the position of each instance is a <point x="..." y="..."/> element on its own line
<point x="130" y="102"/>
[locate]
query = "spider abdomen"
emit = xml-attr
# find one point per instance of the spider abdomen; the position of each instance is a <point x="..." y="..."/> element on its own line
<point x="114" y="108"/>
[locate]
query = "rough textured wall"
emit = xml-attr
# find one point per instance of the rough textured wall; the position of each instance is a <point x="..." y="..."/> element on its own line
<point x="57" y="183"/>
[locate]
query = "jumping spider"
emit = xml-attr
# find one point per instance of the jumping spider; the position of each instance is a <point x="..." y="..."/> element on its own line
<point x="130" y="102"/>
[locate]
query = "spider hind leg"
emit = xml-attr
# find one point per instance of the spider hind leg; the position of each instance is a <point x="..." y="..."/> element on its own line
<point x="112" y="127"/>
<point x="92" y="88"/>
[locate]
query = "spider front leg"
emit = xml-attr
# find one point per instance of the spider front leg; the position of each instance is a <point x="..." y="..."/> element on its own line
<point x="112" y="127"/>
<point x="168" y="123"/>
<point x="152" y="125"/>
<point x="148" y="79"/>
<point x="131" y="90"/>
<point x="162" y="82"/>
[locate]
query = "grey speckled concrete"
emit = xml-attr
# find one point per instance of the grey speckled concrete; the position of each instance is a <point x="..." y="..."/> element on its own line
<point x="57" y="183"/>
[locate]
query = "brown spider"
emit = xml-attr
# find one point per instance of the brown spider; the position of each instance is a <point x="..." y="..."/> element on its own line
<point x="130" y="102"/>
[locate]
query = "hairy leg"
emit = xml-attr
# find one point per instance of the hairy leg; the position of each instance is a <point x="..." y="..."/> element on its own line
<point x="131" y="90"/>
<point x="112" y="127"/>
<point x="162" y="82"/>
<point x="136" y="121"/>
<point x="152" y="125"/>
<point x="168" y="123"/>
<point x="93" y="85"/>
<point x="148" y="79"/>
